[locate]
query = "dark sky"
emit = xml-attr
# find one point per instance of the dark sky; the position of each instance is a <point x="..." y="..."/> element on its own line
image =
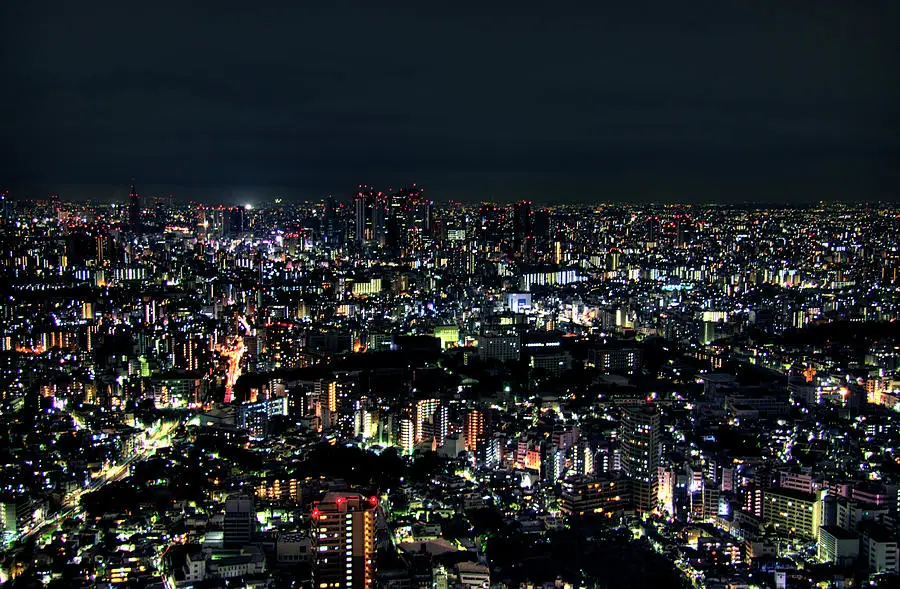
<point x="730" y="100"/>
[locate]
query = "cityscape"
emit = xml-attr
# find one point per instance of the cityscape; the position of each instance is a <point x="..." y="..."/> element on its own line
<point x="381" y="389"/>
<point x="430" y="295"/>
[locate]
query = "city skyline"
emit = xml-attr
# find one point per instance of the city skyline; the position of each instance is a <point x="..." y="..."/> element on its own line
<point x="418" y="295"/>
<point x="459" y="395"/>
<point x="119" y="194"/>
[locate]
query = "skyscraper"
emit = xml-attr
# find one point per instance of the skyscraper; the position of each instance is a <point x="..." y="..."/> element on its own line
<point x="364" y="206"/>
<point x="641" y="452"/>
<point x="235" y="222"/>
<point x="343" y="536"/>
<point x="540" y="232"/>
<point x="6" y="207"/>
<point x="408" y="219"/>
<point x="419" y="211"/>
<point x="487" y="223"/>
<point x="330" y="221"/>
<point x="134" y="210"/>
<point x="522" y="228"/>
<point x="380" y="213"/>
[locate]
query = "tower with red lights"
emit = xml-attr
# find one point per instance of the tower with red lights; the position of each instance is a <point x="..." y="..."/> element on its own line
<point x="365" y="203"/>
<point x="522" y="238"/>
<point x="134" y="210"/>
<point x="343" y="540"/>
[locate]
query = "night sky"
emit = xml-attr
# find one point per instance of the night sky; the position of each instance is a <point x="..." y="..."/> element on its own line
<point x="727" y="101"/>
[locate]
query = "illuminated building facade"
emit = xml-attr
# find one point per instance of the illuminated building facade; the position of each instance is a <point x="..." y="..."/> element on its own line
<point x="255" y="417"/>
<point x="406" y="434"/>
<point x="639" y="432"/>
<point x="325" y="395"/>
<point x="424" y="416"/>
<point x="474" y="429"/>
<point x="343" y="540"/>
<point x="793" y="512"/>
<point x="588" y="495"/>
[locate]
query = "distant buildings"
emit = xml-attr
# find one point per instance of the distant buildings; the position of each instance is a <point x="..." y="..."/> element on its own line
<point x="256" y="417"/>
<point x="495" y="370"/>
<point x="134" y="210"/>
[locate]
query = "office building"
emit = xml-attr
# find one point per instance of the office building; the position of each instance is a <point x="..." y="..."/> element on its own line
<point x="240" y="520"/>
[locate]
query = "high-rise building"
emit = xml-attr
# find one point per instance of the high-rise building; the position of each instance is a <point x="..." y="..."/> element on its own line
<point x="419" y="211"/>
<point x="235" y="222"/>
<point x="558" y="255"/>
<point x="100" y="242"/>
<point x="684" y="231"/>
<point x="583" y="457"/>
<point x="365" y="420"/>
<point x="240" y="517"/>
<point x="325" y="392"/>
<point x="540" y="230"/>
<point x="522" y="239"/>
<point x="474" y="429"/>
<point x="495" y="450"/>
<point x="653" y="228"/>
<point x="161" y="207"/>
<point x="441" y="424"/>
<point x="364" y="205"/>
<point x="489" y="224"/>
<point x="134" y="210"/>
<point x="343" y="538"/>
<point x="639" y="432"/>
<point x="256" y="417"/>
<point x="553" y="461"/>
<point x="425" y="409"/>
<point x="6" y="207"/>
<point x="406" y="434"/>
<point x="380" y="218"/>
<point x="330" y="226"/>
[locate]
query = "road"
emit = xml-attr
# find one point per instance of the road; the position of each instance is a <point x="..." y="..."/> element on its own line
<point x="233" y="352"/>
<point x="157" y="438"/>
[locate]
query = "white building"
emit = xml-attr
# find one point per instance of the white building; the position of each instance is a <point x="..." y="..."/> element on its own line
<point x="473" y="576"/>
